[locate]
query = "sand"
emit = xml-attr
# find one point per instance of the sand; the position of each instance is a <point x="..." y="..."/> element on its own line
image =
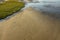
<point x="30" y="25"/>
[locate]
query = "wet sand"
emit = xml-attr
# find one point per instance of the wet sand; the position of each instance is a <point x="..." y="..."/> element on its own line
<point x="30" y="25"/>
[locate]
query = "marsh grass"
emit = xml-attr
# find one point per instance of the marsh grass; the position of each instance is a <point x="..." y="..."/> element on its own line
<point x="9" y="7"/>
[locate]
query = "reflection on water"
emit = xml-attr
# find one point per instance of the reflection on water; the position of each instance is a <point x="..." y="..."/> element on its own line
<point x="50" y="8"/>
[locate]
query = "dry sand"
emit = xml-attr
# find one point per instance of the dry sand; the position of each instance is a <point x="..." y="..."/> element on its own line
<point x="30" y="25"/>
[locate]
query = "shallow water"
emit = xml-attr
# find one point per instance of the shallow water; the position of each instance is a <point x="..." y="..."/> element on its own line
<point x="47" y="7"/>
<point x="50" y="8"/>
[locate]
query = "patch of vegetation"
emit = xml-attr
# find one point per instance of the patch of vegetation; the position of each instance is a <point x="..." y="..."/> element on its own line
<point x="9" y="7"/>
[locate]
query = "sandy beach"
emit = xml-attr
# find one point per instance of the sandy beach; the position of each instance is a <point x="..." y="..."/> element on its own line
<point x="30" y="25"/>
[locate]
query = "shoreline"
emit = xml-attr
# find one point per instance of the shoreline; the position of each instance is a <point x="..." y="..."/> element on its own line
<point x="26" y="6"/>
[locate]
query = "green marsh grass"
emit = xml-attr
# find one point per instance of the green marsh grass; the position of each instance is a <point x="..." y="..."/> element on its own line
<point x="9" y="7"/>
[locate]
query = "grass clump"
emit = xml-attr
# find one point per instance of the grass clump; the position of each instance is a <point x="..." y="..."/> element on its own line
<point x="9" y="7"/>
